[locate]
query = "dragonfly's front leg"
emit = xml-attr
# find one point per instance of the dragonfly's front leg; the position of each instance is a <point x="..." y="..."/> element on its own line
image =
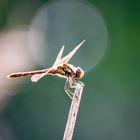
<point x="73" y="83"/>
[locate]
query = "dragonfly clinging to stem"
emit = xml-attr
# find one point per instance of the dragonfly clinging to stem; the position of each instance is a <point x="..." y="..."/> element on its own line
<point x="61" y="68"/>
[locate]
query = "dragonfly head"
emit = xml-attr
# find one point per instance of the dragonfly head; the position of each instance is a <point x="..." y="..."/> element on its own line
<point x="79" y="73"/>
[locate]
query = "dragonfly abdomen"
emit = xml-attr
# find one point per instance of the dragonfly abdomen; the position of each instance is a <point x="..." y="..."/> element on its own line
<point x="22" y="74"/>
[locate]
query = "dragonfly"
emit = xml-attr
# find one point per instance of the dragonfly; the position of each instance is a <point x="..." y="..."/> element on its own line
<point x="61" y="68"/>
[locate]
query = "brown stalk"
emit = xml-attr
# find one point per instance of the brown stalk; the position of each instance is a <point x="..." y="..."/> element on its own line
<point x="73" y="112"/>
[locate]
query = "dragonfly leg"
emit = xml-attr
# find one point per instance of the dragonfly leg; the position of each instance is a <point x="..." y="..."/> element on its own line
<point x="71" y="84"/>
<point x="67" y="89"/>
<point x="74" y="84"/>
<point x="78" y="82"/>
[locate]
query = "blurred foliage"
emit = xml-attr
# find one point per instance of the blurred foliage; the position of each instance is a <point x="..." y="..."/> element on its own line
<point x="110" y="106"/>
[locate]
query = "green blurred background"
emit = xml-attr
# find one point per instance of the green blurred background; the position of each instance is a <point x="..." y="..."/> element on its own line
<point x="110" y="105"/>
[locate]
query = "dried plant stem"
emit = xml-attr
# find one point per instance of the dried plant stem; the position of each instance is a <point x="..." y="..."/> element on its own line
<point x="73" y="112"/>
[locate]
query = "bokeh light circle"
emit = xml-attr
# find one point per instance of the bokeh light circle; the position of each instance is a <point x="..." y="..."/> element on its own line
<point x="67" y="23"/>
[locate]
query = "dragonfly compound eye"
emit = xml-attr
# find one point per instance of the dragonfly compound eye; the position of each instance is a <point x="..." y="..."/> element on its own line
<point x="79" y="73"/>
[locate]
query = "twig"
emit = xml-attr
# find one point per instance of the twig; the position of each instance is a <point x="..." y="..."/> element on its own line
<point x="73" y="112"/>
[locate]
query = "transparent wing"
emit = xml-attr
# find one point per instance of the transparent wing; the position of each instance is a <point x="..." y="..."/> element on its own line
<point x="69" y="55"/>
<point x="58" y="58"/>
<point x="37" y="77"/>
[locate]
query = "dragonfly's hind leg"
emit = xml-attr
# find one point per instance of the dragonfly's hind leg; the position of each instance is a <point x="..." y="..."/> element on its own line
<point x="68" y="93"/>
<point x="67" y="89"/>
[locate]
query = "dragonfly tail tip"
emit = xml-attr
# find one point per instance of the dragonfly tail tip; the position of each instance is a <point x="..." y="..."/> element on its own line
<point x="8" y="76"/>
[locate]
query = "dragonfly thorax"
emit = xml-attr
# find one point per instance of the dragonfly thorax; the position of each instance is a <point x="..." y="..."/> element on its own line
<point x="68" y="70"/>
